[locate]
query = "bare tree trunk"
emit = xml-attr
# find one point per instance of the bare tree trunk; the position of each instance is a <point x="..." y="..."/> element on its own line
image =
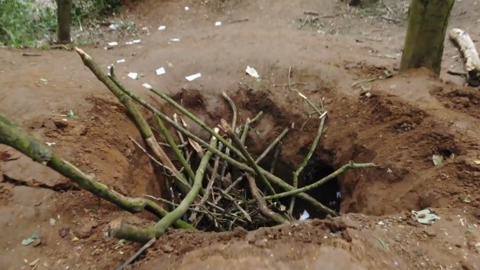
<point x="427" y="26"/>
<point x="64" y="20"/>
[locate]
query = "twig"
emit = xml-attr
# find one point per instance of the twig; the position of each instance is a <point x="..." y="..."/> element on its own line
<point x="210" y="182"/>
<point x="273" y="144"/>
<point x="238" y="21"/>
<point x="276" y="154"/>
<point x="244" y="151"/>
<point x="256" y="118"/>
<point x="175" y="148"/>
<point x="262" y="204"/>
<point x="234" y="121"/>
<point x="457" y="73"/>
<point x="31" y="54"/>
<point x="226" y="195"/>
<point x="247" y="125"/>
<point x="313" y="13"/>
<point x="364" y="81"/>
<point x="176" y="214"/>
<point x="137" y="254"/>
<point x="307" y="159"/>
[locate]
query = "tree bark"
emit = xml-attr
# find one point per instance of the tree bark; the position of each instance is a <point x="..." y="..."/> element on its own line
<point x="427" y="26"/>
<point x="64" y="20"/>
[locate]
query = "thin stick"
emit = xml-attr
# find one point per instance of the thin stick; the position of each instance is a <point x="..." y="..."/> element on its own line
<point x="150" y="156"/>
<point x="262" y="204"/>
<point x="226" y="195"/>
<point x="234" y="121"/>
<point x="197" y="121"/>
<point x="244" y="151"/>
<point x="248" y="123"/>
<point x="278" y="150"/>
<point x="176" y="150"/>
<point x="136" y="255"/>
<point x="284" y="132"/>
<point x="307" y="159"/>
<point x="210" y="182"/>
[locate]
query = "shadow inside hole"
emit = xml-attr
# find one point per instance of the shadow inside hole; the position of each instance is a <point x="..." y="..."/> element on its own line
<point x="327" y="194"/>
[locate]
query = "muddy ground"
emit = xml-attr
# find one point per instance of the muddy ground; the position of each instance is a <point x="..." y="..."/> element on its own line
<point x="398" y="125"/>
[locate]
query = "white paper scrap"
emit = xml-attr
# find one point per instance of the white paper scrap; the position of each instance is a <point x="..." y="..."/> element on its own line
<point x="174" y="39"/>
<point x="162" y="27"/>
<point x="136" y="41"/>
<point x="160" y="71"/>
<point x="193" y="77"/>
<point x="113" y="43"/>
<point x="218" y="23"/>
<point x="146" y="85"/>
<point x="128" y="43"/>
<point x="186" y="8"/>
<point x="133" y="75"/>
<point x="121" y="61"/>
<point x="252" y="72"/>
<point x="304" y="216"/>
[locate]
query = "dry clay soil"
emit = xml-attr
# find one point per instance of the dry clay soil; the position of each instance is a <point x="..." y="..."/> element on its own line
<point x="398" y="125"/>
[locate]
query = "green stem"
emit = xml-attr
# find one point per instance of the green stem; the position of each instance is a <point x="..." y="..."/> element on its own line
<point x="176" y="214"/>
<point x="174" y="147"/>
<point x="307" y="159"/>
<point x="320" y="182"/>
<point x="244" y="151"/>
<point x="12" y="135"/>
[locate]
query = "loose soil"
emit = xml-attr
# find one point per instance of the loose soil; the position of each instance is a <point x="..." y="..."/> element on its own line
<point x="397" y="123"/>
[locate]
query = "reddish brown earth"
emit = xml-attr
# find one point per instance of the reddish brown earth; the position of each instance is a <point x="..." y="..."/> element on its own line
<point x="399" y="125"/>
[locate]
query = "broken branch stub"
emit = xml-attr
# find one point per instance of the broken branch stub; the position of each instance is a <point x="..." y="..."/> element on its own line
<point x="470" y="54"/>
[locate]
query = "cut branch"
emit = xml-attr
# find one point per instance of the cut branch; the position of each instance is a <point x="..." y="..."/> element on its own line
<point x="144" y="128"/>
<point x="307" y="158"/>
<point x="320" y="182"/>
<point x="262" y="204"/>
<point x="470" y="54"/>
<point x="128" y="232"/>
<point x="12" y="135"/>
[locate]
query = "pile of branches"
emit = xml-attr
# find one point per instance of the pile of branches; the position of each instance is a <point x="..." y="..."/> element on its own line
<point x="207" y="197"/>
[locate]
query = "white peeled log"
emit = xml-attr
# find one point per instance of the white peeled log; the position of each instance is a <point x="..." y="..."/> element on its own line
<point x="463" y="40"/>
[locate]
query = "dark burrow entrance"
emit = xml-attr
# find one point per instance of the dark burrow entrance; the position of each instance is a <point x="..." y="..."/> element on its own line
<point x="327" y="194"/>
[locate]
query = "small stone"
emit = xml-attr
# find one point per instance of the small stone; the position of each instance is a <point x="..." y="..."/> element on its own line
<point x="430" y="233"/>
<point x="63" y="232"/>
<point x="261" y="243"/>
<point x="80" y="130"/>
<point x="84" y="232"/>
<point x="50" y="124"/>
<point x="167" y="249"/>
<point x="60" y="123"/>
<point x="37" y="242"/>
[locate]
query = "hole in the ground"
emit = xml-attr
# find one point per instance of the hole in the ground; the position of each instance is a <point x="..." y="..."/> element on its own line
<point x="328" y="193"/>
